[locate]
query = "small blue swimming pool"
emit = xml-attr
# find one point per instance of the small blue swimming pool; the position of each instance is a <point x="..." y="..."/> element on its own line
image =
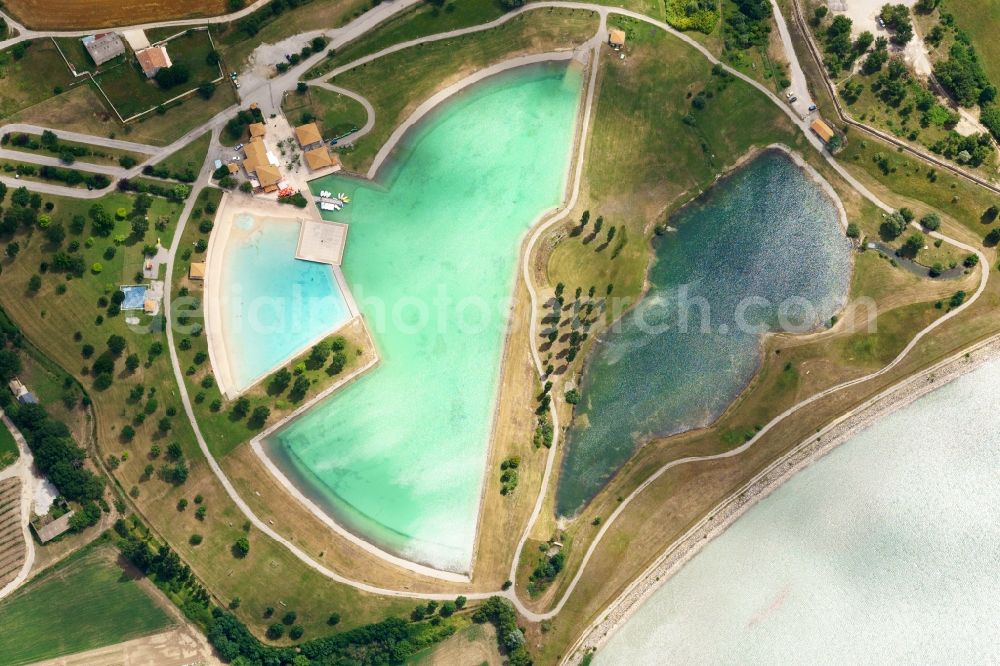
<point x="135" y="296"/>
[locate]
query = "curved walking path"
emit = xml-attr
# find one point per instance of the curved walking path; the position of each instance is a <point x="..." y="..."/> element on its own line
<point x="21" y="468"/>
<point x="864" y="191"/>
<point x="360" y="99"/>
<point x="359" y="27"/>
<point x="511" y="593"/>
<point x="80" y="137"/>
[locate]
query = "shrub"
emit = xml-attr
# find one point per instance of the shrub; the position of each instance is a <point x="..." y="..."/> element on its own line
<point x="241" y="548"/>
<point x="930" y="222"/>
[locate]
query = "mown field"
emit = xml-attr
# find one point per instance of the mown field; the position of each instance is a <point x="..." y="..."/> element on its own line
<point x="979" y="19"/>
<point x="419" y="21"/>
<point x="79" y="14"/>
<point x="650" y="150"/>
<point x="52" y="315"/>
<point x="131" y="92"/>
<point x="38" y="74"/>
<point x="188" y="160"/>
<point x="37" y="88"/>
<point x="85" y="602"/>
<point x="95" y="154"/>
<point x="335" y="114"/>
<point x="12" y="544"/>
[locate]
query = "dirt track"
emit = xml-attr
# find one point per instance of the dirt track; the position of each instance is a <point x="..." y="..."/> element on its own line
<point x="170" y="648"/>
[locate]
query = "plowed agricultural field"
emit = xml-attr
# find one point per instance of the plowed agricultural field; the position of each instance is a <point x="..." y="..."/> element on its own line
<point x="79" y="14"/>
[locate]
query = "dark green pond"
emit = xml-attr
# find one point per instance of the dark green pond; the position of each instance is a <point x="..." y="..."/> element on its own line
<point x="763" y="250"/>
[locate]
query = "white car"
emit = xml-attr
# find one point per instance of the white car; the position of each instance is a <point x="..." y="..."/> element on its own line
<point x="788" y="94"/>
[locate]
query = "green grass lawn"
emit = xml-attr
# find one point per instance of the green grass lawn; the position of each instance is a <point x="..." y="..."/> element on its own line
<point x="76" y="53"/>
<point x="653" y="8"/>
<point x="420" y="21"/>
<point x="32" y="78"/>
<point x="980" y="18"/>
<point x="131" y="92"/>
<point x="187" y="162"/>
<point x="643" y="159"/>
<point x="85" y="602"/>
<point x="29" y="171"/>
<point x="8" y="448"/>
<point x="419" y="71"/>
<point x="941" y="190"/>
<point x="895" y="329"/>
<point x="335" y="114"/>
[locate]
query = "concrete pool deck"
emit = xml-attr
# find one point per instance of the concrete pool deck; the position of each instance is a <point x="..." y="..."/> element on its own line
<point x="216" y="307"/>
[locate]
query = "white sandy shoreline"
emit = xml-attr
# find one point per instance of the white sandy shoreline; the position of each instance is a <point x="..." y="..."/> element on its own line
<point x="763" y="484"/>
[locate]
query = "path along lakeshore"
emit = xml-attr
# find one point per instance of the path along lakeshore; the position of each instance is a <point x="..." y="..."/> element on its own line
<point x="356" y="29"/>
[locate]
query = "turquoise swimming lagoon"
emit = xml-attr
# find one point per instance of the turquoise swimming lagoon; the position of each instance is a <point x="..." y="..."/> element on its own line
<point x="762" y="250"/>
<point x="398" y="456"/>
<point x="882" y="552"/>
<point x="273" y="305"/>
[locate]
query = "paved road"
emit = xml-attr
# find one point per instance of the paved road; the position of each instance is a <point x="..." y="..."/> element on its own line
<point x="104" y="142"/>
<point x="50" y="160"/>
<point x="269" y="94"/>
<point x="846" y="118"/>
<point x="21" y="469"/>
<point x="799" y="87"/>
<point x="511" y="593"/>
<point x="264" y="95"/>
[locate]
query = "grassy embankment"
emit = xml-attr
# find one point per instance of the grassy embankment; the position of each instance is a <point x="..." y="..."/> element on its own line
<point x="515" y="419"/>
<point x="418" y="21"/>
<point x="85" y="602"/>
<point x="50" y="319"/>
<point x="335" y="114"/>
<point x="803" y="365"/>
<point x="38" y="88"/>
<point x="185" y="163"/>
<point x="421" y="71"/>
<point x="979" y="18"/>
